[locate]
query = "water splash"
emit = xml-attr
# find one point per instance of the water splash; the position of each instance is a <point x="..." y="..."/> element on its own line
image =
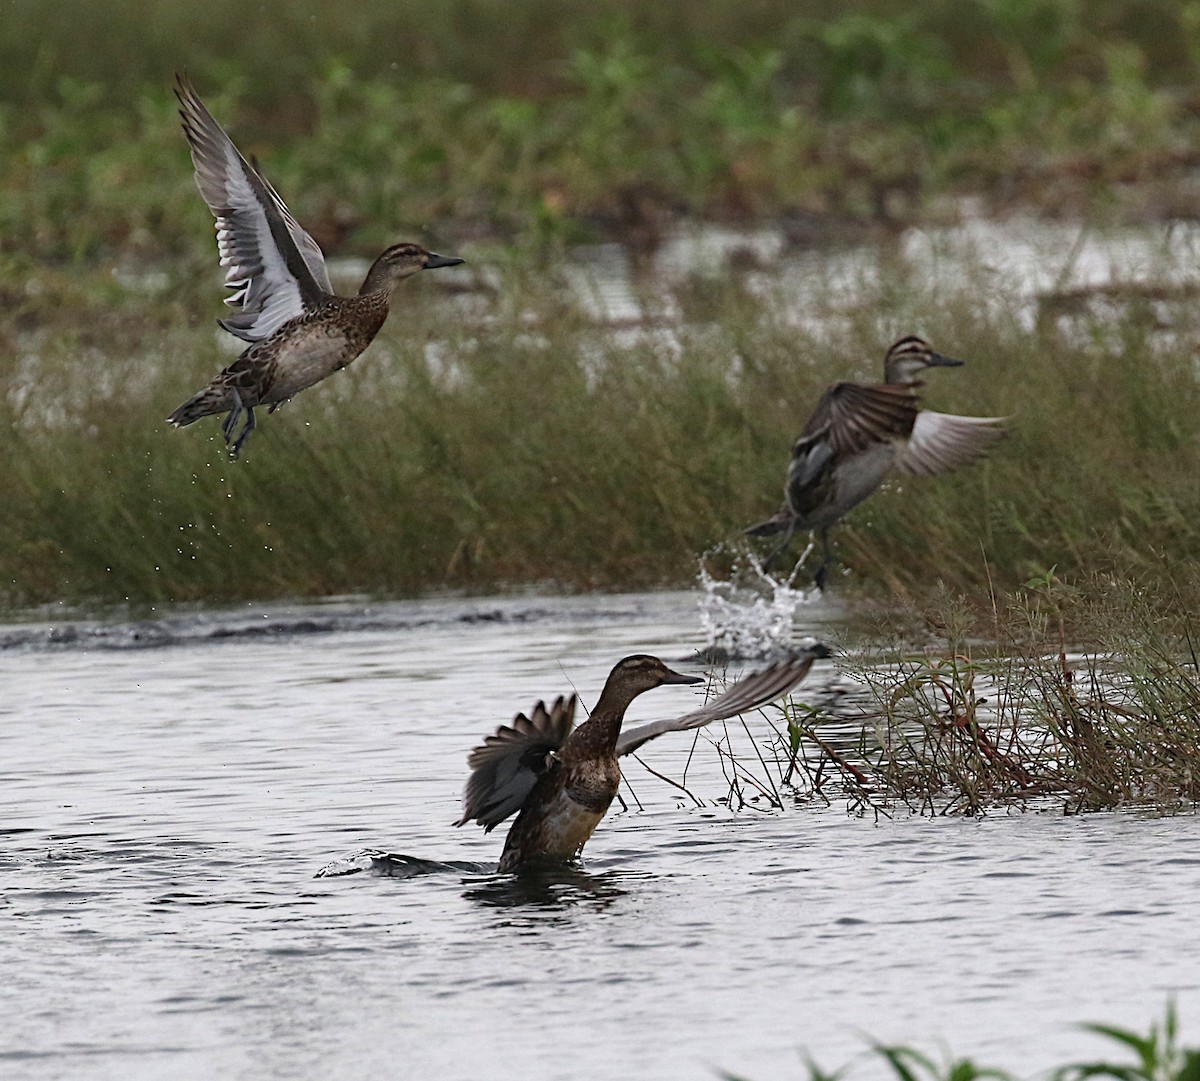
<point x="750" y="612"/>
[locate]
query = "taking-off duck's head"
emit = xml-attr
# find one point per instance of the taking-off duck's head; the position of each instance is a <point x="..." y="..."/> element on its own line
<point x="641" y="672"/>
<point x="404" y="260"/>
<point x="907" y="360"/>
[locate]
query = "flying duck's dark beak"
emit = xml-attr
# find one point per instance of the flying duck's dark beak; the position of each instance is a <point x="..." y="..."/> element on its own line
<point x="434" y="261"/>
<point x="936" y="360"/>
<point x="679" y="677"/>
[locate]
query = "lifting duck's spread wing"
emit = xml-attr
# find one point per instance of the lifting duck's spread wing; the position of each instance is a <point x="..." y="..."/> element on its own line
<point x="506" y="766"/>
<point x="749" y="693"/>
<point x="276" y="268"/>
<point x="941" y="442"/>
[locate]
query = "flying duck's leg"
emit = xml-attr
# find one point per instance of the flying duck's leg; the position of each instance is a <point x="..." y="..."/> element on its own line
<point x="230" y="421"/>
<point x="826" y="557"/>
<point x="250" y="426"/>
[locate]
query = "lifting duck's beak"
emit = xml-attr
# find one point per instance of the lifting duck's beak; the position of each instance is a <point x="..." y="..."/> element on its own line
<point x="679" y="677"/>
<point x="936" y="360"/>
<point x="434" y="261"/>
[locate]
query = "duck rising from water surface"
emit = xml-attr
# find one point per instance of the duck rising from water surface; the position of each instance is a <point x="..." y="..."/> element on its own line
<point x="299" y="330"/>
<point x="560" y="780"/>
<point x="861" y="433"/>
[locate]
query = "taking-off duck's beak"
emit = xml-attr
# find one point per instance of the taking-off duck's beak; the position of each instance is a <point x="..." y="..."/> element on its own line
<point x="434" y="261"/>
<point x="679" y="677"/>
<point x="936" y="360"/>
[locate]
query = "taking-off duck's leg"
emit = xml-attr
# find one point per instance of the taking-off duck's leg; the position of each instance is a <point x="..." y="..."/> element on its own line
<point x="781" y="547"/>
<point x="250" y="426"/>
<point x="826" y="558"/>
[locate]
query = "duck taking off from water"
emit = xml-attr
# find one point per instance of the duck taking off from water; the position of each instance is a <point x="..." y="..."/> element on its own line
<point x="299" y="330"/>
<point x="861" y="433"/>
<point x="560" y="780"/>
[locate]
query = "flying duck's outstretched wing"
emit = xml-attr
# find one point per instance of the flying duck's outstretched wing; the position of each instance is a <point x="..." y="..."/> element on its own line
<point x="941" y="442"/>
<point x="506" y="766"/>
<point x="749" y="693"/>
<point x="276" y="269"/>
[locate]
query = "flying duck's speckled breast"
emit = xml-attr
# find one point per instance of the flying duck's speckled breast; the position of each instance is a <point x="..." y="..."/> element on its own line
<point x="323" y="342"/>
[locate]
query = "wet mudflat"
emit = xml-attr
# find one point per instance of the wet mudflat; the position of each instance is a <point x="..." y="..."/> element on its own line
<point x="165" y="811"/>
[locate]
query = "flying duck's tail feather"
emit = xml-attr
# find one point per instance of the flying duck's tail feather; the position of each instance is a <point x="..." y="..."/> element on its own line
<point x="209" y="401"/>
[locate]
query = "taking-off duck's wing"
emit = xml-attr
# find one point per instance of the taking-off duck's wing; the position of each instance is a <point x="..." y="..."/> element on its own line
<point x="941" y="442"/>
<point x="850" y="417"/>
<point x="276" y="269"/>
<point x="749" y="693"/>
<point x="506" y="766"/>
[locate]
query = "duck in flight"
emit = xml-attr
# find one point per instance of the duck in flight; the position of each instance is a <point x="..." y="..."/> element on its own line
<point x="299" y="331"/>
<point x="559" y="780"/>
<point x="860" y="434"/>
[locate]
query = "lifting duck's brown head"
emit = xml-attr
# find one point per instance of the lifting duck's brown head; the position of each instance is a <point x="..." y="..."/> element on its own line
<point x="641" y="672"/>
<point x="907" y="360"/>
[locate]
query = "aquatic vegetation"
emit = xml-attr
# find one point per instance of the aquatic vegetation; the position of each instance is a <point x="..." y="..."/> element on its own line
<point x="994" y="710"/>
<point x="1156" y="1055"/>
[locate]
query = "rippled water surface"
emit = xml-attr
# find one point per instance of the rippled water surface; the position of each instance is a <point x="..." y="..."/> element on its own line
<point x="168" y="790"/>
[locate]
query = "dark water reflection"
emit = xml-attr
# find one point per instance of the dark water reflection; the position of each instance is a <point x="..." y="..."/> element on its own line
<point x="164" y="813"/>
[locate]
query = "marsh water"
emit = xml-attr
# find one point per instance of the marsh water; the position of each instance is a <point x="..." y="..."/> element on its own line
<point x="170" y="787"/>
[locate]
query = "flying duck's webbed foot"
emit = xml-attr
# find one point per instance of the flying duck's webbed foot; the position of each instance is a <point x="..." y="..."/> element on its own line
<point x="230" y="421"/>
<point x="250" y="426"/>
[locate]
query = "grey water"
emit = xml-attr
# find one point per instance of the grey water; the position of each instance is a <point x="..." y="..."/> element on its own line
<point x="170" y="787"/>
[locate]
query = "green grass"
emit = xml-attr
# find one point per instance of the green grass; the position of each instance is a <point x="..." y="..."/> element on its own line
<point x="547" y="122"/>
<point x="552" y="451"/>
<point x="1155" y="1055"/>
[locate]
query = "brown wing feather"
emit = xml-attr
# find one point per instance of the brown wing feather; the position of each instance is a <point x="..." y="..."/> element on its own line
<point x="506" y="766"/>
<point x="855" y="416"/>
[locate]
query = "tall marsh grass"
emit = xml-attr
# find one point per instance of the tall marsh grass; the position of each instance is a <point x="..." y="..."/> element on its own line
<point x="498" y="438"/>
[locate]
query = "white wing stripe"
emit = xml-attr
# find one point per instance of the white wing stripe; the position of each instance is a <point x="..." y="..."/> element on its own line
<point x="275" y="269"/>
<point x="941" y="442"/>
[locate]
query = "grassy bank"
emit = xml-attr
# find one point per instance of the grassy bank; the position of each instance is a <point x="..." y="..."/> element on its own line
<point x="503" y="438"/>
<point x="551" y="122"/>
